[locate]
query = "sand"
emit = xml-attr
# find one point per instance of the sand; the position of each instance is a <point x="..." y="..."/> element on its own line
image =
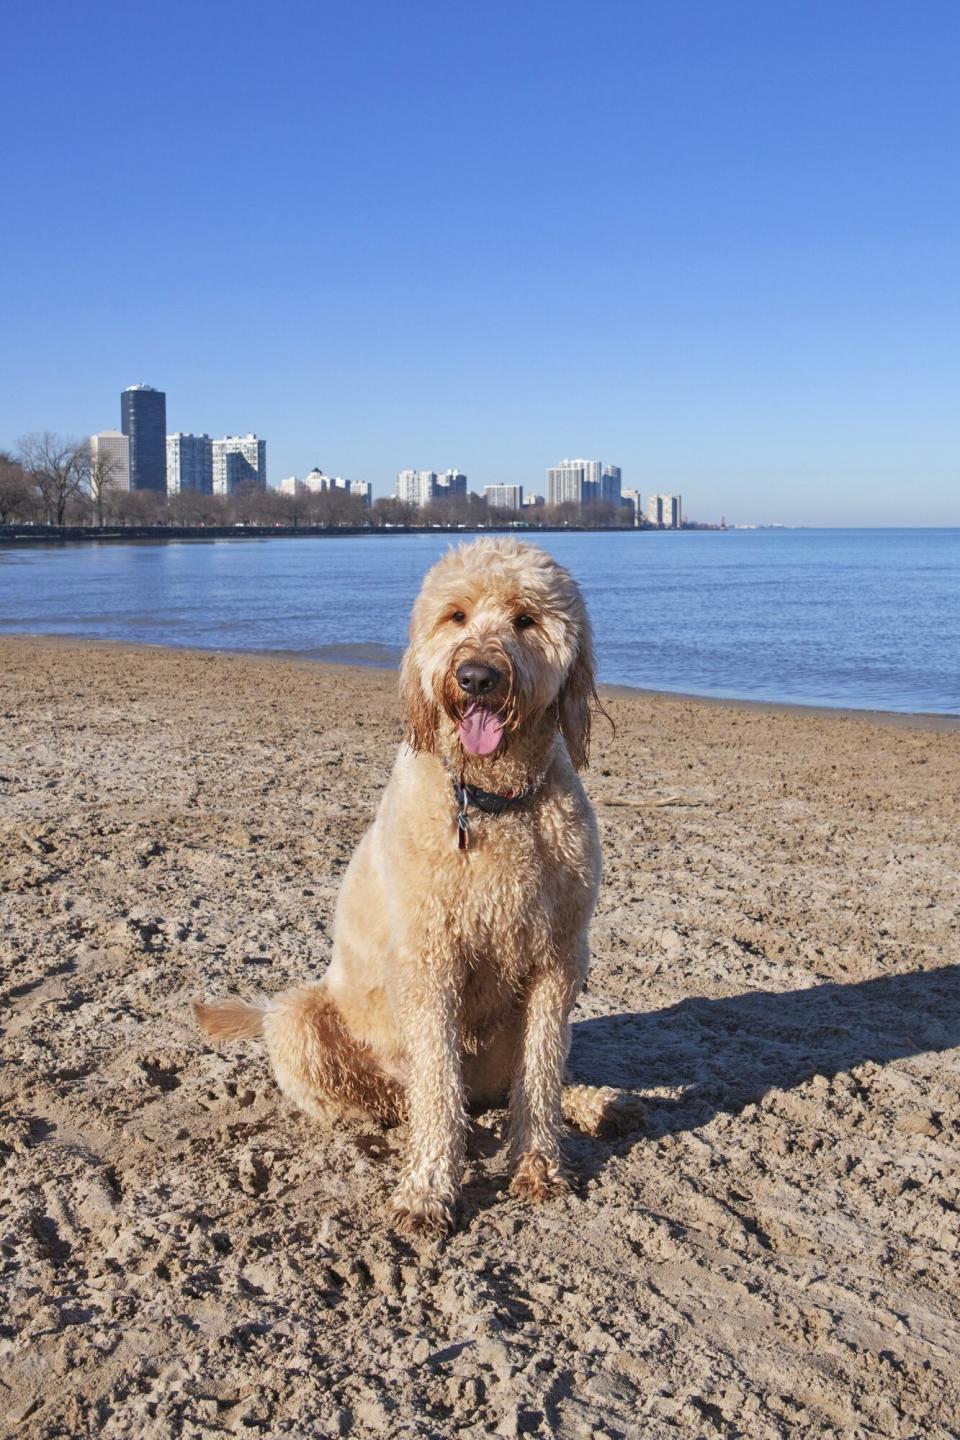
<point x="774" y="969"/>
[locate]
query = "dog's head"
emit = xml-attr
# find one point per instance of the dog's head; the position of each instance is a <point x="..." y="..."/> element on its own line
<point x="499" y="637"/>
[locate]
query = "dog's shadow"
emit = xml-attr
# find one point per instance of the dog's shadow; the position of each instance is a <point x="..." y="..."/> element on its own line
<point x="721" y="1055"/>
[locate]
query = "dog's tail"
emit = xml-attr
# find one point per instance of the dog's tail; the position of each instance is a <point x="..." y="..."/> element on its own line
<point x="230" y="1019"/>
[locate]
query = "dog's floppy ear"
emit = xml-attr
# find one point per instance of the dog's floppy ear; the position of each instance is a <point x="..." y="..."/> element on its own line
<point x="419" y="710"/>
<point x="577" y="701"/>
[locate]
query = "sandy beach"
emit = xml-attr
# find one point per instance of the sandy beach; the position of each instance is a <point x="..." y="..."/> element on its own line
<point x="775" y="970"/>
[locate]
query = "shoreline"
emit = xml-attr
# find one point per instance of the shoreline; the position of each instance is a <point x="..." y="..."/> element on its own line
<point x="19" y="535"/>
<point x="352" y="660"/>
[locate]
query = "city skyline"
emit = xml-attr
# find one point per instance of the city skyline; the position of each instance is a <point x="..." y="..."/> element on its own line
<point x="761" y="316"/>
<point x="206" y="466"/>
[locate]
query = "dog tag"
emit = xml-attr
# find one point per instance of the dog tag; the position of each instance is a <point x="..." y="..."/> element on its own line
<point x="463" y="820"/>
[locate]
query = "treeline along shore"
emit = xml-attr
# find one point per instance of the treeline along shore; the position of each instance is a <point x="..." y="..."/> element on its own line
<point x="60" y="485"/>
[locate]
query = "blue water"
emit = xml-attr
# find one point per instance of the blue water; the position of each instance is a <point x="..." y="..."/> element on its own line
<point x="859" y="618"/>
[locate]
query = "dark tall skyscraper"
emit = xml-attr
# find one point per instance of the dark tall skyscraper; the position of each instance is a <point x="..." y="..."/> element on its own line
<point x="143" y="417"/>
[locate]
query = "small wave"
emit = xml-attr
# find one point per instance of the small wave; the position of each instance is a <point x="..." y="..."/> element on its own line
<point x="359" y="653"/>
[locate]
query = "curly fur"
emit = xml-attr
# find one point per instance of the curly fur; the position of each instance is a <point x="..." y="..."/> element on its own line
<point x="453" y="971"/>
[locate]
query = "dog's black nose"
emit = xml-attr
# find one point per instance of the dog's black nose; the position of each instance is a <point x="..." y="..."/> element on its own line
<point x="476" y="678"/>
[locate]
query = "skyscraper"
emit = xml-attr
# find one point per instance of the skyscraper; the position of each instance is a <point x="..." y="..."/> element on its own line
<point x="427" y="482"/>
<point x="504" y="497"/>
<point x="416" y="487"/>
<point x="189" y="464"/>
<point x="112" y="448"/>
<point x="574" y="481"/>
<point x="610" y="484"/>
<point x="634" y="499"/>
<point x="448" y="483"/>
<point x="407" y="489"/>
<point x="143" y="419"/>
<point x="422" y="487"/>
<point x="239" y="461"/>
<point x="665" y="511"/>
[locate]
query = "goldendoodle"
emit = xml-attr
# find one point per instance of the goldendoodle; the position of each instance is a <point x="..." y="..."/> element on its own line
<point x="460" y="939"/>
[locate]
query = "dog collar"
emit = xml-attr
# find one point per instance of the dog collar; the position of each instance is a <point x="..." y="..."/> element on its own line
<point x="491" y="802"/>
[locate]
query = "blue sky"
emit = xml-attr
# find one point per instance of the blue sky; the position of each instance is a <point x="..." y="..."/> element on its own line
<point x="714" y="241"/>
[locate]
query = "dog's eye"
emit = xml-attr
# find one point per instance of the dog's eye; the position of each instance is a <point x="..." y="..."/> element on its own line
<point x="523" y="622"/>
<point x="458" y="617"/>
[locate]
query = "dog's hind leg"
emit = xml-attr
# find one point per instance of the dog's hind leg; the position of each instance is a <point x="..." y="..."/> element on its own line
<point x="602" y="1110"/>
<point x="321" y="1066"/>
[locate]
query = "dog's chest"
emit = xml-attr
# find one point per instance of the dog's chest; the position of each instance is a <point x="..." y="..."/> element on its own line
<point x="518" y="893"/>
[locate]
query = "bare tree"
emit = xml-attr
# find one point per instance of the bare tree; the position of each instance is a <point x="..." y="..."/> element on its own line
<point x="603" y="515"/>
<point x="193" y="507"/>
<point x="196" y="508"/>
<point x="389" y="512"/>
<point x="17" y="495"/>
<point x="58" y="467"/>
<point x="140" y="507"/>
<point x="566" y="513"/>
<point x="502" y="515"/>
<point x="279" y="509"/>
<point x="245" y="505"/>
<point x="296" y="507"/>
<point x="470" y="510"/>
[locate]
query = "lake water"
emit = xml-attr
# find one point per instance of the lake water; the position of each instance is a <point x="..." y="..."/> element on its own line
<point x="858" y="618"/>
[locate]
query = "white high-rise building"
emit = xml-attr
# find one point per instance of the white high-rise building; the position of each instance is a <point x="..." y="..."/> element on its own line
<point x="504" y="497"/>
<point x="574" y="481"/>
<point x="407" y="488"/>
<point x="290" y="485"/>
<point x="665" y="511"/>
<point x="315" y="480"/>
<point x="532" y="500"/>
<point x="416" y="487"/>
<point x="427" y="483"/>
<point x="112" y="447"/>
<point x="189" y="463"/>
<point x="634" y="499"/>
<point x="239" y="461"/>
<point x="422" y="487"/>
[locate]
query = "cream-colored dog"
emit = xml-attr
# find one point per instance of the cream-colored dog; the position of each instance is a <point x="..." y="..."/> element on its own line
<point x="460" y="940"/>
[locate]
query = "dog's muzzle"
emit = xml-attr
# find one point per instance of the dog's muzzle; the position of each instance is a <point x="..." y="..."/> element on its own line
<point x="476" y="678"/>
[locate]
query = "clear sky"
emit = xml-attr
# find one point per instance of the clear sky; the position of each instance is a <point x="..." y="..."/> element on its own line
<point x="716" y="242"/>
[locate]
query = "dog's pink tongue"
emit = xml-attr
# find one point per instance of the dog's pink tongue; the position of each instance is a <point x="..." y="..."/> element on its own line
<point x="480" y="731"/>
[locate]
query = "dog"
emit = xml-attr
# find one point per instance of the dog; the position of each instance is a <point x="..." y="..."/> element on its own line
<point x="460" y="936"/>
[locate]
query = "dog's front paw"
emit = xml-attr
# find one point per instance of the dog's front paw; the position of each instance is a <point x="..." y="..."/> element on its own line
<point x="537" y="1178"/>
<point x="421" y="1212"/>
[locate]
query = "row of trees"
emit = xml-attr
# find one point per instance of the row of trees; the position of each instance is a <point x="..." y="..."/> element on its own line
<point x="55" y="481"/>
<point x="46" y="479"/>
